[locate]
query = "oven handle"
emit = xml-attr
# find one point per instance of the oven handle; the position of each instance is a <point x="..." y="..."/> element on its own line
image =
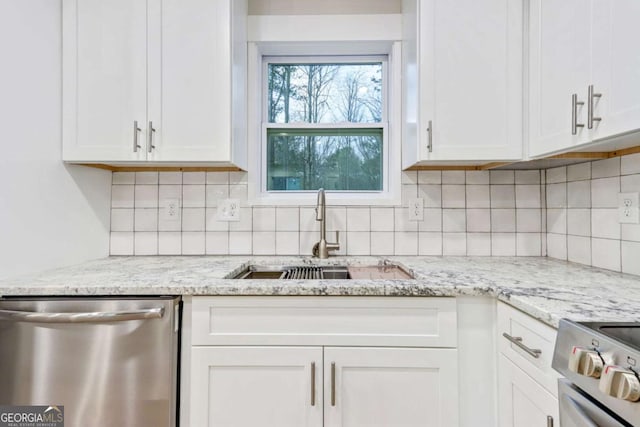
<point x="573" y="405"/>
<point x="90" y="317"/>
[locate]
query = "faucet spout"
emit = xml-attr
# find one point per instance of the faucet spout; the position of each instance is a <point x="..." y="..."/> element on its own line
<point x="322" y="248"/>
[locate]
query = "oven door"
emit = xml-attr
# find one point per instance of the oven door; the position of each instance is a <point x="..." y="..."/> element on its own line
<point x="577" y="409"/>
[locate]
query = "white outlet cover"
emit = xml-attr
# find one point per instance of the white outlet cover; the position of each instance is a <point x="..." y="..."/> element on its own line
<point x="628" y="209"/>
<point x="170" y="210"/>
<point x="229" y="210"/>
<point x="416" y="209"/>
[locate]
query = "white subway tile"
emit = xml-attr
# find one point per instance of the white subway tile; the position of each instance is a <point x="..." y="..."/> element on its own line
<point x="528" y="177"/>
<point x="308" y="220"/>
<point x="402" y="223"/>
<point x="409" y="177"/>
<point x="170" y="178"/>
<point x="217" y="243"/>
<point x="557" y="195"/>
<point x="429" y="244"/>
<point x="503" y="220"/>
<point x="193" y="219"/>
<point x="579" y="222"/>
<point x="557" y="221"/>
<point x="239" y="192"/>
<point x="169" y="192"/>
<point x="478" y="196"/>
<point x="122" y="196"/>
<point x="528" y="220"/>
<point x="579" y="194"/>
<point x="382" y="243"/>
<point x="381" y="219"/>
<point x="630" y="232"/>
<point x="579" y="249"/>
<point x="123" y="178"/>
<point x="146" y="196"/>
<point x="630" y="183"/>
<point x="170" y="243"/>
<point x="193" y="196"/>
<point x="453" y="196"/>
<point x="246" y="220"/>
<point x="409" y="192"/>
<point x="287" y="243"/>
<point x="145" y="220"/>
<point x="630" y="164"/>
<point x="358" y="219"/>
<point x="287" y="219"/>
<point x="215" y="193"/>
<point x="238" y="177"/>
<point x="212" y="223"/>
<point x="217" y="178"/>
<point x="145" y="243"/>
<point x="358" y="243"/>
<point x="605" y="168"/>
<point x="477" y="177"/>
<point x="429" y="177"/>
<point x="630" y="257"/>
<point x="148" y="178"/>
<point x="503" y="196"/>
<point x="121" y="243"/>
<point x="453" y="177"/>
<point x="503" y="244"/>
<point x="264" y="243"/>
<point x="454" y="244"/>
<point x="605" y="253"/>
<point x="307" y="240"/>
<point x="193" y="178"/>
<point x="478" y="220"/>
<point x="604" y="223"/>
<point x="432" y="195"/>
<point x="405" y="243"/>
<point x="121" y="219"/>
<point x="604" y="192"/>
<point x="557" y="246"/>
<point x="264" y="219"/>
<point x="174" y="224"/>
<point x="502" y="177"/>
<point x="454" y="220"/>
<point x="336" y="218"/>
<point x="240" y="243"/>
<point x="193" y="243"/>
<point x="528" y="196"/>
<point x="578" y="172"/>
<point x="431" y="220"/>
<point x="556" y="175"/>
<point x="478" y="244"/>
<point x="528" y="244"/>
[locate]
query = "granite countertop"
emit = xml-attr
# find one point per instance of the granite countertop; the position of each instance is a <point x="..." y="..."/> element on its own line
<point x="544" y="288"/>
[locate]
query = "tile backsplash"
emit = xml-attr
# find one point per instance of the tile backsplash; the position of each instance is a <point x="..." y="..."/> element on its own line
<point x="582" y="214"/>
<point x="481" y="213"/>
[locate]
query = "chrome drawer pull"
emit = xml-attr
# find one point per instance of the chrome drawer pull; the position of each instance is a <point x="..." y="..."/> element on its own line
<point x="534" y="352"/>
<point x="430" y="141"/>
<point x="590" y="117"/>
<point x="313" y="383"/>
<point x="574" y="114"/>
<point x="333" y="384"/>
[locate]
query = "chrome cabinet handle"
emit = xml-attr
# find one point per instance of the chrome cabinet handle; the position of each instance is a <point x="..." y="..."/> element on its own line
<point x="136" y="130"/>
<point x="574" y="114"/>
<point x="534" y="352"/>
<point x="313" y="383"/>
<point x="590" y="117"/>
<point x="333" y="383"/>
<point x="430" y="131"/>
<point x="91" y="317"/>
<point x="549" y="421"/>
<point x="150" y="145"/>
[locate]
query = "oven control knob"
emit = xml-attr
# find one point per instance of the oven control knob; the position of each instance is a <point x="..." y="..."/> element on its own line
<point x="585" y="362"/>
<point x="620" y="383"/>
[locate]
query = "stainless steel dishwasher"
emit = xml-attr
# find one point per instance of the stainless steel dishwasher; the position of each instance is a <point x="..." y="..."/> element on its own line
<point x="111" y="362"/>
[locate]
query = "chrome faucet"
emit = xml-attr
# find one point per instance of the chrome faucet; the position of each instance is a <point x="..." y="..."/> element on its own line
<point x="321" y="249"/>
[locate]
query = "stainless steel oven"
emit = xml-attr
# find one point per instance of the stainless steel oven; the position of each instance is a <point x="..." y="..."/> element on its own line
<point x="600" y="363"/>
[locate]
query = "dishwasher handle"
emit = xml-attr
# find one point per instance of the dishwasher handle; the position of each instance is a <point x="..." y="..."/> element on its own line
<point x="90" y="317"/>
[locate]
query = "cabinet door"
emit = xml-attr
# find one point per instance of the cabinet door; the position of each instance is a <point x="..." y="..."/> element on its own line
<point x="104" y="79"/>
<point x="616" y="66"/>
<point x="471" y="79"/>
<point x="256" y="386"/>
<point x="378" y="387"/>
<point x="190" y="78"/>
<point x="560" y="61"/>
<point x="522" y="401"/>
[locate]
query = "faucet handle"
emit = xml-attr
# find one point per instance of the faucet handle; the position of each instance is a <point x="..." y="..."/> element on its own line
<point x="337" y="237"/>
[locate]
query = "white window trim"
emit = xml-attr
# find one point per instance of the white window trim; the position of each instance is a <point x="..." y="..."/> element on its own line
<point x="391" y="193"/>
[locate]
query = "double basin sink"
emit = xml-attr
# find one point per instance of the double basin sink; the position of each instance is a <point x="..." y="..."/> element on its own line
<point x="324" y="272"/>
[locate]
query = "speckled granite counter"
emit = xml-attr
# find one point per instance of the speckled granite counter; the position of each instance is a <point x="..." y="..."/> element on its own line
<point x="544" y="288"/>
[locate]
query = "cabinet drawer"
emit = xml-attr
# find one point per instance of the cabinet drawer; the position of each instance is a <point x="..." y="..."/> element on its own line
<point x="353" y="321"/>
<point x="534" y="335"/>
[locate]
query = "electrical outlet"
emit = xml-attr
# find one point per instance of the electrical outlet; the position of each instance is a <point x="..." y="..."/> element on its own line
<point x="229" y="210"/>
<point x="170" y="210"/>
<point x="628" y="209"/>
<point x="416" y="209"/>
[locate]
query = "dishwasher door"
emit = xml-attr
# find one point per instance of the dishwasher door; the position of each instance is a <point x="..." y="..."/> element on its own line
<point x="111" y="362"/>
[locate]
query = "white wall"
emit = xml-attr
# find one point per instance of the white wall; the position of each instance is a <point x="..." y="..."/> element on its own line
<point x="51" y="214"/>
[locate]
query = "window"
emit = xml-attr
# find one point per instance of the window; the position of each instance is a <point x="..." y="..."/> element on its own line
<point x="325" y="124"/>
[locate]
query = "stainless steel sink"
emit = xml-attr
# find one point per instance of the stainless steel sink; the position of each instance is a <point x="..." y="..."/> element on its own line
<point x="294" y="272"/>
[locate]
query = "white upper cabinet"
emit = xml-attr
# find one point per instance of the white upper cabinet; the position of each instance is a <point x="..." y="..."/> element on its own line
<point x="177" y="69"/>
<point x="462" y="86"/>
<point x="584" y="50"/>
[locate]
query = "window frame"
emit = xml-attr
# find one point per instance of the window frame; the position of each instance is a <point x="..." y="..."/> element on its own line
<point x="389" y="56"/>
